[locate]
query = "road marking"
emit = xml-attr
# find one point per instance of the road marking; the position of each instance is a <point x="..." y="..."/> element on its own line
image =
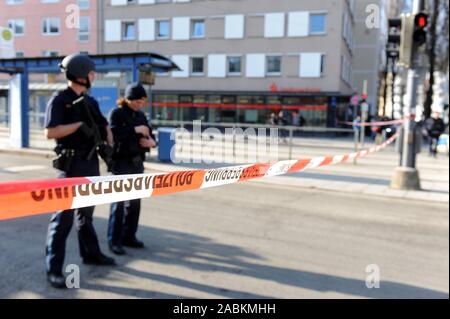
<point x="24" y="168"/>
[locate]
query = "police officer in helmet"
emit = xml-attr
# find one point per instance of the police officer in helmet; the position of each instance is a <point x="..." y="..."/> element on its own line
<point x="133" y="138"/>
<point x="74" y="120"/>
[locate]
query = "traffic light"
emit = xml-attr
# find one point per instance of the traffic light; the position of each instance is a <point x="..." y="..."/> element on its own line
<point x="393" y="42"/>
<point x="420" y="28"/>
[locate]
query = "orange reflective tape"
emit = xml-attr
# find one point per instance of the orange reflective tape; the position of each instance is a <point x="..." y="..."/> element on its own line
<point x="15" y="205"/>
<point x="254" y="171"/>
<point x="177" y="182"/>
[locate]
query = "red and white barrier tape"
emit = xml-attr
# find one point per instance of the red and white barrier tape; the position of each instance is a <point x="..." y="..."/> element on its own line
<point x="385" y="123"/>
<point x="34" y="197"/>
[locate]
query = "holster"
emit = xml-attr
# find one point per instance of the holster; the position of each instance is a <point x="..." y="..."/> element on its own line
<point x="64" y="158"/>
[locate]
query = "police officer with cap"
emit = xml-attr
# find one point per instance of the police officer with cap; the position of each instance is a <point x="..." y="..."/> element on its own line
<point x="133" y="138"/>
<point x="72" y="119"/>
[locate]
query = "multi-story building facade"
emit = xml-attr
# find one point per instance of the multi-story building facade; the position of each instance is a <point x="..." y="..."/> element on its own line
<point x="241" y="60"/>
<point x="47" y="28"/>
<point x="50" y="27"/>
<point x="369" y="62"/>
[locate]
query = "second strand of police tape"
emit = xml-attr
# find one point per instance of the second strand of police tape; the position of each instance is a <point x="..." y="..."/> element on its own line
<point x="34" y="197"/>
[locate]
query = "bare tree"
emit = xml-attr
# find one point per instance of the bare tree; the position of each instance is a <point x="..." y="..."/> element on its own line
<point x="437" y="47"/>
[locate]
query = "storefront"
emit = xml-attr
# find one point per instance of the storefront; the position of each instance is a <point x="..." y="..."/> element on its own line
<point x="317" y="110"/>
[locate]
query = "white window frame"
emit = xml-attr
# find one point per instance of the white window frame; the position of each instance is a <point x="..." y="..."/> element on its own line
<point x="88" y="19"/>
<point x="124" y="29"/>
<point x="157" y="22"/>
<point x="229" y="73"/>
<point x="50" y="53"/>
<point x="191" y="66"/>
<point x="193" y="21"/>
<point x="47" y="22"/>
<point x="267" y="65"/>
<point x="12" y="27"/>
<point x="311" y="14"/>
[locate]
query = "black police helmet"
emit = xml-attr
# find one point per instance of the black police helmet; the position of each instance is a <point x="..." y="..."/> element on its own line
<point x="135" y="91"/>
<point x="77" y="66"/>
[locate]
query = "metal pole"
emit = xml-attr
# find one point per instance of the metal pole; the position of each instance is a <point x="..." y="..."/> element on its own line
<point x="356" y="145"/>
<point x="364" y="111"/>
<point x="291" y="136"/>
<point x="234" y="143"/>
<point x="408" y="130"/>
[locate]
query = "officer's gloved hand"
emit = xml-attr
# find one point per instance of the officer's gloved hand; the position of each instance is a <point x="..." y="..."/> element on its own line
<point x="86" y="130"/>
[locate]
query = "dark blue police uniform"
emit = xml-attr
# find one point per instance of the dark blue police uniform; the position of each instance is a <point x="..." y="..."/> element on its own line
<point x="128" y="158"/>
<point x="61" y="111"/>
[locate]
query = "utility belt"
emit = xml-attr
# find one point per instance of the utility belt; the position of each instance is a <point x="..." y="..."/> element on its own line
<point x="65" y="157"/>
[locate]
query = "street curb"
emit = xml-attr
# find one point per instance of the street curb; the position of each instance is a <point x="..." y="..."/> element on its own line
<point x="29" y="152"/>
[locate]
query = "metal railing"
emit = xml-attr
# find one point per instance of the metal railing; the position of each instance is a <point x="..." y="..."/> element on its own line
<point x="289" y="128"/>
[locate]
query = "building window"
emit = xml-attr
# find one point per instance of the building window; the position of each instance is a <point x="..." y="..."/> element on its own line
<point x="51" y="26"/>
<point x="317" y="24"/>
<point x="234" y="65"/>
<point x="197" y="66"/>
<point x="50" y="53"/>
<point x="17" y="26"/>
<point x="14" y="1"/>
<point x="49" y="1"/>
<point x="129" y="31"/>
<point x="322" y="64"/>
<point x="83" y="4"/>
<point x="20" y="54"/>
<point x="83" y="31"/>
<point x="163" y="29"/>
<point x="198" y="28"/>
<point x="163" y="1"/>
<point x="273" y="65"/>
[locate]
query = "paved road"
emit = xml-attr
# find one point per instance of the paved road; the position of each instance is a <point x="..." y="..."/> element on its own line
<point x="249" y="240"/>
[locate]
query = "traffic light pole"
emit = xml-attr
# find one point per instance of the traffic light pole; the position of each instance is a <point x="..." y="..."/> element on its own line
<point x="409" y="152"/>
<point x="407" y="176"/>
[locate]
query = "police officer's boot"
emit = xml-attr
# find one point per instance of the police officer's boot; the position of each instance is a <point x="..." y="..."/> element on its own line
<point x="117" y="249"/>
<point x="99" y="260"/>
<point x="56" y="280"/>
<point x="133" y="243"/>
